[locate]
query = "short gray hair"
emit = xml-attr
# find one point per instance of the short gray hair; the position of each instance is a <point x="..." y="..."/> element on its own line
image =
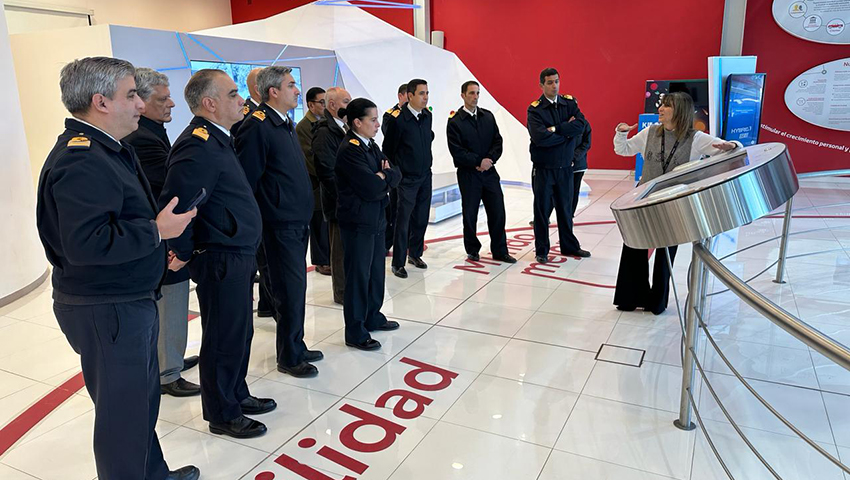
<point x="146" y="80"/>
<point x="199" y="86"/>
<point x="270" y="77"/>
<point x="85" y="77"/>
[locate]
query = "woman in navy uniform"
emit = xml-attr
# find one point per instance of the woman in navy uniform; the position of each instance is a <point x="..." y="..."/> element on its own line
<point x="364" y="178"/>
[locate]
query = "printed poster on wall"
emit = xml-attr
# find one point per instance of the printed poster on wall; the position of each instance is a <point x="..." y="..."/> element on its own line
<point x="822" y="21"/>
<point x="821" y="95"/>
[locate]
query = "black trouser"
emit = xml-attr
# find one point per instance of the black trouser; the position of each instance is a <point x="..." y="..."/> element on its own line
<point x="474" y="187"/>
<point x="414" y="208"/>
<point x="365" y="273"/>
<point x="265" y="302"/>
<point x="225" y="287"/>
<point x="117" y="347"/>
<point x="553" y="188"/>
<point x="286" y="257"/>
<point x="320" y="247"/>
<point x="576" y="189"/>
<point x="633" y="288"/>
<point x="392" y="211"/>
<point x="337" y="262"/>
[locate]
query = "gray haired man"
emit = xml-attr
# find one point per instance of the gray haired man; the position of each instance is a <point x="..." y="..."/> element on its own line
<point x="152" y="146"/>
<point x="105" y="245"/>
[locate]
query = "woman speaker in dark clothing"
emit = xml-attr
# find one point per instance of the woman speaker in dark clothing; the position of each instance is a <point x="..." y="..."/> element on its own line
<point x="665" y="145"/>
<point x="364" y="178"/>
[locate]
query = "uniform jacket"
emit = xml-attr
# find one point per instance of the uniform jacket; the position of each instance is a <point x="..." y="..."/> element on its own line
<point x="471" y="141"/>
<point x="96" y="217"/>
<point x="580" y="156"/>
<point x="152" y="147"/>
<point x="327" y="136"/>
<point x="304" y="130"/>
<point x="277" y="172"/>
<point x="388" y="117"/>
<point x="554" y="149"/>
<point x="407" y="142"/>
<point x="363" y="195"/>
<point x="228" y="218"/>
<point x="247" y="110"/>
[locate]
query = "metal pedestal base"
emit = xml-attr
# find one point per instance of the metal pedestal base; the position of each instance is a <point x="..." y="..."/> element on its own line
<point x="680" y="426"/>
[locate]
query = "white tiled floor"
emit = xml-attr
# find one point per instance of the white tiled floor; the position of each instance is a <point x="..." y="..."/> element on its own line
<point x="499" y="363"/>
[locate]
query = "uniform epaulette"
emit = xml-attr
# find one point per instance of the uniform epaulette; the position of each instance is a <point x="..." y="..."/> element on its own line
<point x="452" y="114"/>
<point x="246" y="110"/>
<point x="568" y="97"/>
<point x="396" y="113"/>
<point x="354" y="142"/>
<point x="391" y="110"/>
<point x="535" y="103"/>
<point x="79" y="143"/>
<point x="259" y="115"/>
<point x="201" y="133"/>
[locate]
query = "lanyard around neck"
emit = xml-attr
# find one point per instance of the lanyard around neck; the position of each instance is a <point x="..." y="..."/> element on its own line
<point x="672" y="152"/>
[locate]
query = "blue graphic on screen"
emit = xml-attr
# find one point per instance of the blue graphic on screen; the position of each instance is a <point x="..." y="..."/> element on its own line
<point x="744" y="95"/>
<point x="239" y="72"/>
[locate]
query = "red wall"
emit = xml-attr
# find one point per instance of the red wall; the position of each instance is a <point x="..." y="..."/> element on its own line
<point x="783" y="57"/>
<point x="605" y="50"/>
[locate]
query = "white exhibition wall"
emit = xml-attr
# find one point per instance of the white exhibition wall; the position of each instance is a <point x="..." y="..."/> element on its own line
<point x="22" y="259"/>
<point x="376" y="57"/>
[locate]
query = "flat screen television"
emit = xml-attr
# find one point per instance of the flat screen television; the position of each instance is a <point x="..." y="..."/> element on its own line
<point x="743" y="97"/>
<point x="239" y="72"/>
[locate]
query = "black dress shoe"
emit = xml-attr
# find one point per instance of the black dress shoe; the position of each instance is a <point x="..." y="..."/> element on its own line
<point x="257" y="406"/>
<point x="399" y="272"/>
<point x="368" y="345"/>
<point x="417" y="262"/>
<point x="507" y="258"/>
<point x="180" y="388"/>
<point x="473" y="256"/>
<point x="190" y="362"/>
<point x="390" y="325"/>
<point x="578" y="253"/>
<point x="240" y="427"/>
<point x="189" y="472"/>
<point x="264" y="313"/>
<point x="323" y="270"/>
<point x="302" y="370"/>
<point x="626" y="308"/>
<point x="313" y="356"/>
<point x="541" y="258"/>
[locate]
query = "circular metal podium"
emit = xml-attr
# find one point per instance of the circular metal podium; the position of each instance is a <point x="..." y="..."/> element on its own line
<point x="701" y="199"/>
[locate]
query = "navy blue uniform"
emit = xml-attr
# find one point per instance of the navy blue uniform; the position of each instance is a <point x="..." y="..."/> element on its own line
<point x="247" y="109"/>
<point x="277" y="172"/>
<point x="361" y="212"/>
<point x="392" y="207"/>
<point x="221" y="243"/>
<point x="472" y="139"/>
<point x="580" y="164"/>
<point x="552" y="174"/>
<point x="96" y="219"/>
<point x="407" y="144"/>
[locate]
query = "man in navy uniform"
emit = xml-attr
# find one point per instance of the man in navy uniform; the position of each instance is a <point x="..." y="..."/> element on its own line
<point x="277" y="172"/>
<point x="152" y="146"/>
<point x="220" y="247"/>
<point x="98" y="222"/>
<point x="392" y="205"/>
<point x="407" y="144"/>
<point x="476" y="145"/>
<point x="555" y="124"/>
<point x="253" y="100"/>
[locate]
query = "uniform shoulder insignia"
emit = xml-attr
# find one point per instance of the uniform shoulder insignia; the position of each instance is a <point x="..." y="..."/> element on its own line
<point x="246" y="110"/>
<point x="79" y="142"/>
<point x="391" y="110"/>
<point x="396" y="113"/>
<point x="452" y="114"/>
<point x="259" y="115"/>
<point x="568" y="97"/>
<point x="535" y="103"/>
<point x="201" y="133"/>
<point x="354" y="142"/>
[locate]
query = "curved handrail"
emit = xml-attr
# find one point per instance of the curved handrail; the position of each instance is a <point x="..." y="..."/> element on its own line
<point x="825" y="173"/>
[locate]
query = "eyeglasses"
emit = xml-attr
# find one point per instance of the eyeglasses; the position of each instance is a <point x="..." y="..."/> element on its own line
<point x="321" y="102"/>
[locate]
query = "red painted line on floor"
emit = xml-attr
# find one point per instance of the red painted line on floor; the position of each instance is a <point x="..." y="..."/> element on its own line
<point x="27" y="420"/>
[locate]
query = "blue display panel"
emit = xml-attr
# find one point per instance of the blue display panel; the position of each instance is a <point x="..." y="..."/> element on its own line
<point x="742" y="109"/>
<point x="239" y="72"/>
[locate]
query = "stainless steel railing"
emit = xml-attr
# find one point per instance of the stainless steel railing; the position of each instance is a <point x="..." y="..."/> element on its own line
<point x="703" y="263"/>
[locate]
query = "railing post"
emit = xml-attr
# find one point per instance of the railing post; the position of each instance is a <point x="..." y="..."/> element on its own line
<point x="783" y="242"/>
<point x="696" y="299"/>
